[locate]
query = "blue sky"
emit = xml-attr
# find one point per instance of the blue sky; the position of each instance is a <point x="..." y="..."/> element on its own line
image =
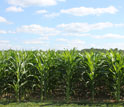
<point x="61" y="24"/>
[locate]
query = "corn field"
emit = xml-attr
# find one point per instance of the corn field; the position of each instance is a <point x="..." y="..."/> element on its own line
<point x="63" y="75"/>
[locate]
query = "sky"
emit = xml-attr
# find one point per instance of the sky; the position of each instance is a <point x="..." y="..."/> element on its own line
<point x="61" y="24"/>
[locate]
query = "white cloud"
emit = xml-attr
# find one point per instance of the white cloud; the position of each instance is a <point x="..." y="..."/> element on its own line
<point x="4" y="44"/>
<point x="41" y="40"/>
<point x="14" y="9"/>
<point x="72" y="29"/>
<point x="62" y="0"/>
<point x="3" y="32"/>
<point x="112" y="36"/>
<point x="69" y="44"/>
<point x="85" y="27"/>
<point x="26" y="3"/>
<point x="110" y="45"/>
<point x="38" y="43"/>
<point x="76" y="34"/>
<point x="47" y="14"/>
<point x="51" y="15"/>
<point x="3" y="20"/>
<point x="11" y="32"/>
<point x="114" y="45"/>
<point x="38" y="29"/>
<point x="41" y="11"/>
<point x="61" y="40"/>
<point x="84" y="11"/>
<point x="7" y="32"/>
<point x="34" y="42"/>
<point x="119" y="25"/>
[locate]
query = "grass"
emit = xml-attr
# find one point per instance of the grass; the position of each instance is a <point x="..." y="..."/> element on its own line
<point x="59" y="104"/>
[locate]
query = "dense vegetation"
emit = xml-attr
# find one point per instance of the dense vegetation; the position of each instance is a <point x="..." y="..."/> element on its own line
<point x="62" y="75"/>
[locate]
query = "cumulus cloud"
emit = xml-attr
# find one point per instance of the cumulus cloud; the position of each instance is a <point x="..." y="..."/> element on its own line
<point x="46" y="14"/>
<point x="110" y="45"/>
<point x="26" y="3"/>
<point x="38" y="29"/>
<point x="3" y="32"/>
<point x="85" y="27"/>
<point x="7" y="32"/>
<point x="62" y="40"/>
<point x="41" y="11"/>
<point x="14" y="9"/>
<point x="38" y="43"/>
<point x="41" y="40"/>
<point x="111" y="36"/>
<point x="76" y="34"/>
<point x="11" y="32"/>
<point x="69" y="44"/>
<point x="51" y="15"/>
<point x="62" y="0"/>
<point x="4" y="44"/>
<point x="84" y="11"/>
<point x="71" y="29"/>
<point x="3" y="20"/>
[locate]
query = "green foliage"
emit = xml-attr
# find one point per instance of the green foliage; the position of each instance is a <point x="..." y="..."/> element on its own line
<point x="18" y="67"/>
<point x="68" y="74"/>
<point x="116" y="65"/>
<point x="69" y="61"/>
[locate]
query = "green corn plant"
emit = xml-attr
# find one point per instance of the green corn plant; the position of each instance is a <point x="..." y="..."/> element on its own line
<point x="44" y="61"/>
<point x="116" y="64"/>
<point x="2" y="58"/>
<point x="49" y="70"/>
<point x="69" y="61"/>
<point x="19" y="61"/>
<point x="3" y="71"/>
<point x="92" y="63"/>
<point x="39" y="57"/>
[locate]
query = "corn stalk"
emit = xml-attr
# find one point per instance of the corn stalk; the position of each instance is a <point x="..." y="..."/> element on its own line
<point x="116" y="63"/>
<point x="92" y="62"/>
<point x="44" y="62"/>
<point x="69" y="61"/>
<point x="19" y="61"/>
